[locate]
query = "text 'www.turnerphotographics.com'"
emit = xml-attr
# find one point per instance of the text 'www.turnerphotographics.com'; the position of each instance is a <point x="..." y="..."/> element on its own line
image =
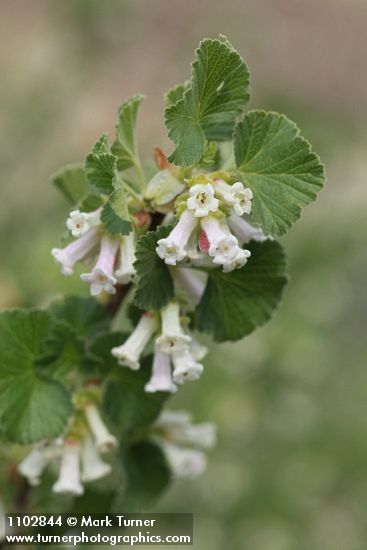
<point x="111" y="529"/>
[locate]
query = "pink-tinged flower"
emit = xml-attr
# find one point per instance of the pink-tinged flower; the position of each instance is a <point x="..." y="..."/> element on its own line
<point x="69" y="474"/>
<point x="244" y="231"/>
<point x="128" y="354"/>
<point x="202" y="200"/>
<point x="93" y="467"/>
<point x="186" y="369"/>
<point x="172" y="249"/>
<point x="161" y="379"/>
<point x="76" y="251"/>
<point x="173" y="337"/>
<point x="236" y="195"/>
<point x="79" y="223"/>
<point x="125" y="273"/>
<point x="223" y="245"/>
<point x="191" y="283"/>
<point x="238" y="261"/>
<point x="101" y="277"/>
<point x="105" y="441"/>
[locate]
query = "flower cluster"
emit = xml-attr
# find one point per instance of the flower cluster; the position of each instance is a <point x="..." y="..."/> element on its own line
<point x="183" y="443"/>
<point x="78" y="453"/>
<point x="111" y="258"/>
<point x="203" y="234"/>
<point x="173" y="345"/>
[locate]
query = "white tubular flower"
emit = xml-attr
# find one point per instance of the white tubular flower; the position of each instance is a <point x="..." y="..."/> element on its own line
<point x="69" y="475"/>
<point x="129" y="353"/>
<point x="126" y="271"/>
<point x="191" y="283"/>
<point x="105" y="441"/>
<point x="173" y="337"/>
<point x="244" y="231"/>
<point x="33" y="465"/>
<point x="223" y="245"/>
<point x="202" y="200"/>
<point x="238" y="261"/>
<point x="93" y="467"/>
<point x="76" y="251"/>
<point x="238" y="196"/>
<point x="101" y="277"/>
<point x="79" y="223"/>
<point x="172" y="248"/>
<point x="161" y="379"/>
<point x="184" y="463"/>
<point x="186" y="369"/>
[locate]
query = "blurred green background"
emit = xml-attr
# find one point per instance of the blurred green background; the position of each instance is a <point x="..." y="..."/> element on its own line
<point x="290" y="469"/>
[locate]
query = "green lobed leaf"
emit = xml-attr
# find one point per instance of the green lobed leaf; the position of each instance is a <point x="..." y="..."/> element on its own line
<point x="125" y="146"/>
<point x="115" y="214"/>
<point x="100" y="166"/>
<point x="147" y="474"/>
<point x="234" y="304"/>
<point x="85" y="316"/>
<point x="32" y="405"/>
<point x="279" y="167"/>
<point x="72" y="182"/>
<point x="154" y="286"/>
<point x="217" y="95"/>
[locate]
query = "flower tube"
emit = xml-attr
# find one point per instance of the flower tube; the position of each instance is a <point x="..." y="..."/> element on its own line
<point x="172" y="249"/>
<point x="173" y="337"/>
<point x="93" y="467"/>
<point x="75" y="251"/>
<point x="101" y="277"/>
<point x="128" y="354"/>
<point x="192" y="284"/>
<point x="223" y="245"/>
<point x="126" y="271"/>
<point x="244" y="231"/>
<point x="33" y="465"/>
<point x="161" y="379"/>
<point x="105" y="441"/>
<point x="69" y="475"/>
<point x="184" y="463"/>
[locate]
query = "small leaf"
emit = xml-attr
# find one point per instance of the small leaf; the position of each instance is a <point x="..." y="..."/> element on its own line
<point x="147" y="474"/>
<point x="125" y="146"/>
<point x="100" y="166"/>
<point x="217" y="95"/>
<point x="32" y="405"/>
<point x="90" y="202"/>
<point x="234" y="304"/>
<point x="72" y="182"/>
<point x="279" y="167"/>
<point x="155" y="285"/>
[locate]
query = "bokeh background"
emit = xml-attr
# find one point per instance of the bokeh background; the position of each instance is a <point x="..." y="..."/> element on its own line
<point x="290" y="469"/>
